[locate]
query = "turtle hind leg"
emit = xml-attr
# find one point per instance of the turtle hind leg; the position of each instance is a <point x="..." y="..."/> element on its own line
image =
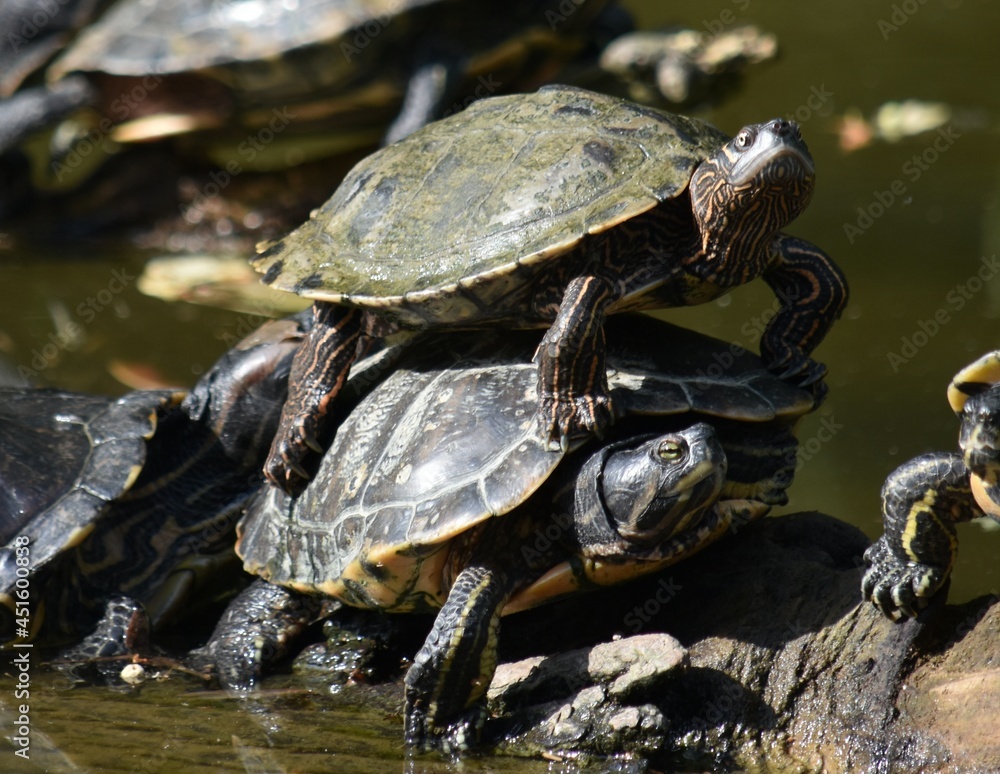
<point x="257" y="629"/>
<point x="319" y="370"/>
<point x="446" y="685"/>
<point x="922" y="501"/>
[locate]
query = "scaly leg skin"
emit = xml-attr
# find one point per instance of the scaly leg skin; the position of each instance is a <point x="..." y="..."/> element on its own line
<point x="922" y="501"/>
<point x="257" y="628"/>
<point x="813" y="294"/>
<point x="318" y="372"/>
<point x="446" y="685"/>
<point x="573" y="394"/>
<point x="122" y="631"/>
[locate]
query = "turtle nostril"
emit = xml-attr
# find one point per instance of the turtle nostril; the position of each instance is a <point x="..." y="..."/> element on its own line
<point x="781" y="127"/>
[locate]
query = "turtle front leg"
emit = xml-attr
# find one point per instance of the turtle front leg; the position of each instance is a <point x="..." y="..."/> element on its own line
<point x="573" y="394"/>
<point x="813" y="293"/>
<point x="446" y="685"/>
<point x="319" y="370"/>
<point x="922" y="501"/>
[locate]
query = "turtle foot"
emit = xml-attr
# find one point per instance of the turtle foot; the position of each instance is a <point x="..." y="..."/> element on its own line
<point x="295" y="447"/>
<point x="424" y="734"/>
<point x="803" y="372"/>
<point x="259" y="627"/>
<point x="899" y="588"/>
<point x="121" y="634"/>
<point x="567" y="420"/>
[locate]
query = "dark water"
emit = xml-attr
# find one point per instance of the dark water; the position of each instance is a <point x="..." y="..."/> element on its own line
<point x="925" y="301"/>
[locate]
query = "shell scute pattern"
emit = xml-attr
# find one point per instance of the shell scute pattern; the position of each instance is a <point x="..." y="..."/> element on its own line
<point x="510" y="181"/>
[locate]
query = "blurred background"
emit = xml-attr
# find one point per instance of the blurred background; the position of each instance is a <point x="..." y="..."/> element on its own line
<point x="899" y="103"/>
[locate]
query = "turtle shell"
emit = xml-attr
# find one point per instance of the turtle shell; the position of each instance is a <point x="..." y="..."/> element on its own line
<point x="447" y="441"/>
<point x="466" y="201"/>
<point x="975" y="378"/>
<point x="138" y="38"/>
<point x="66" y="455"/>
<point x="66" y="458"/>
<point x="135" y="495"/>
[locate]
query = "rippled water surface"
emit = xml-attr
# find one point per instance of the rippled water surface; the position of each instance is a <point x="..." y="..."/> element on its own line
<point x="921" y="256"/>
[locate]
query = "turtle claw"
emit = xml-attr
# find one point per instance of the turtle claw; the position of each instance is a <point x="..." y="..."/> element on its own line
<point x="291" y="451"/>
<point x="803" y="372"/>
<point x="900" y="589"/>
<point x="565" y="422"/>
<point x="422" y="734"/>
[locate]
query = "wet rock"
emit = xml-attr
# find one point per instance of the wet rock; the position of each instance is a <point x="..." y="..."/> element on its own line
<point x="589" y="699"/>
<point x="786" y="669"/>
<point x="361" y="646"/>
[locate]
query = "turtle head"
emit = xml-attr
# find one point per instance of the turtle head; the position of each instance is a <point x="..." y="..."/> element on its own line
<point x="239" y="400"/>
<point x="751" y="188"/>
<point x="652" y="490"/>
<point x="979" y="436"/>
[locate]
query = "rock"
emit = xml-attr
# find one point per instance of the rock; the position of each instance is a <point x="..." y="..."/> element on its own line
<point x="786" y="667"/>
<point x="597" y="686"/>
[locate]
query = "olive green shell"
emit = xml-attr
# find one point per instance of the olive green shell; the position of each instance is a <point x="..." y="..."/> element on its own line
<point x="137" y="37"/>
<point x="448" y="440"/>
<point x="466" y="201"/>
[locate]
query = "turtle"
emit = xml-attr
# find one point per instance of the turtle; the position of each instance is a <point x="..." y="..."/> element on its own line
<point x="925" y="498"/>
<point x="131" y="497"/>
<point x="678" y="66"/>
<point x="35" y="33"/>
<point x="550" y="209"/>
<point x="436" y="493"/>
<point x="176" y="66"/>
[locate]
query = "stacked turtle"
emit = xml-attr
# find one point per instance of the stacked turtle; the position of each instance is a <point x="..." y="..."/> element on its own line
<point x="552" y="210"/>
<point x="438" y="492"/>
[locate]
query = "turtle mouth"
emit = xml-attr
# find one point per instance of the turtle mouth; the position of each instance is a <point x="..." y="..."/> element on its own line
<point x="982" y="457"/>
<point x="777" y="153"/>
<point x="763" y="165"/>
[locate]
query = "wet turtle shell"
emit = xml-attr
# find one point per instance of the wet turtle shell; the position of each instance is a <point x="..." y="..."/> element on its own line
<point x="441" y="226"/>
<point x="137" y="495"/>
<point x="446" y="442"/>
<point x="257" y="47"/>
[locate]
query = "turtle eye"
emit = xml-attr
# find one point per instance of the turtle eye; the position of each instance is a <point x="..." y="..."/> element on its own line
<point x="671" y="451"/>
<point x="745" y="139"/>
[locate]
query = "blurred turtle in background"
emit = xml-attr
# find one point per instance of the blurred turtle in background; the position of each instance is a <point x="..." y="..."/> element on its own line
<point x="250" y="86"/>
